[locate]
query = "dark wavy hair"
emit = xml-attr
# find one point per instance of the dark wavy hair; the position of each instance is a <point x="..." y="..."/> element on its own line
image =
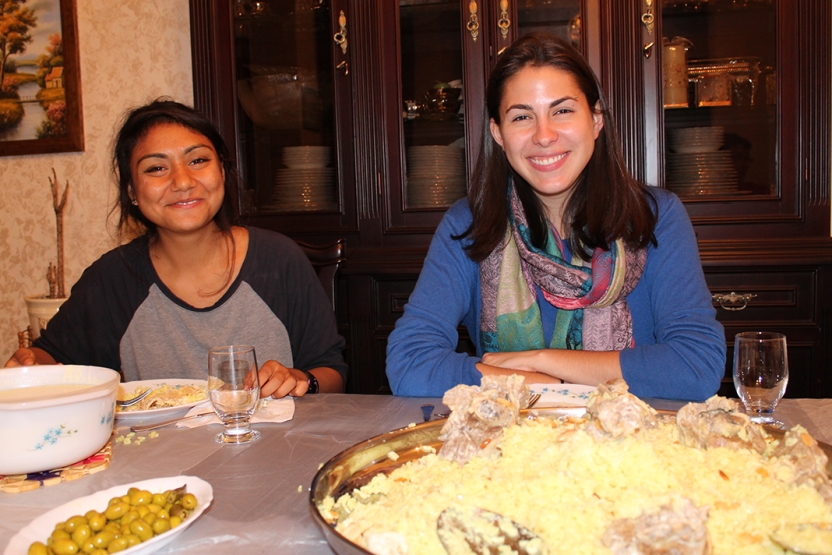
<point x="137" y="124"/>
<point x="606" y="203"/>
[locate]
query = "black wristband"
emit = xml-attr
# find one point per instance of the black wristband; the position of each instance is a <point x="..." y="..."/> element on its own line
<point x="312" y="381"/>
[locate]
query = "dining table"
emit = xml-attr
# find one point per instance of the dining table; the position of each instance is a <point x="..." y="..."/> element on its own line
<point x="261" y="490"/>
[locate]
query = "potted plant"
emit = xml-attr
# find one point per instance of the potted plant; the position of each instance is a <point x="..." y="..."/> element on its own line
<point x="42" y="308"/>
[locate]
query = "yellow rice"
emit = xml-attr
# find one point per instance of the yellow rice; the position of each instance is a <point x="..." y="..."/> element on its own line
<point x="558" y="481"/>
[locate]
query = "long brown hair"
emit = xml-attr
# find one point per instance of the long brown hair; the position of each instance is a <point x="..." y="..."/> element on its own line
<point x="606" y="203"/>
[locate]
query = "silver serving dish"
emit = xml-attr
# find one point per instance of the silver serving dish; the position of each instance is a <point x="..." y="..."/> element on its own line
<point x="357" y="465"/>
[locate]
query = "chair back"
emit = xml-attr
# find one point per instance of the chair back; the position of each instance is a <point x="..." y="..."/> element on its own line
<point x="326" y="259"/>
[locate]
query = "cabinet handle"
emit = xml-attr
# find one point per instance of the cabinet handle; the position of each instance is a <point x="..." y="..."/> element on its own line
<point x="504" y="22"/>
<point x="473" y="25"/>
<point x="647" y="17"/>
<point x="734" y="301"/>
<point x="340" y="37"/>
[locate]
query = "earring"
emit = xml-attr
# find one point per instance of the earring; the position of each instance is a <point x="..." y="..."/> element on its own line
<point x="135" y="202"/>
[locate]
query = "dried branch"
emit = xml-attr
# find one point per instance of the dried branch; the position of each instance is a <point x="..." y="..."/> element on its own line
<point x="59" y="225"/>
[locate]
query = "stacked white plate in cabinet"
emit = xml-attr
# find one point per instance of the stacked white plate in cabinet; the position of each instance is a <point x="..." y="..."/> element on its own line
<point x="697" y="166"/>
<point x="306" y="183"/>
<point x="435" y="175"/>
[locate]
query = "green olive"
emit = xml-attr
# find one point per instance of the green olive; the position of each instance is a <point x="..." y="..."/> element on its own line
<point x="82" y="533"/>
<point x="65" y="546"/>
<point x="96" y="520"/>
<point x="73" y="522"/>
<point x="99" y="552"/>
<point x="161" y="525"/>
<point x="102" y="539"/>
<point x="163" y="513"/>
<point x="175" y="521"/>
<point x="87" y="546"/>
<point x="141" y="529"/>
<point x="141" y="497"/>
<point x="150" y="518"/>
<point x="188" y="501"/>
<point x="38" y="548"/>
<point x="112" y="527"/>
<point x="129" y="516"/>
<point x="178" y="510"/>
<point x="159" y="499"/>
<point x="118" y="544"/>
<point x="116" y="511"/>
<point x="132" y="539"/>
<point x="60" y="534"/>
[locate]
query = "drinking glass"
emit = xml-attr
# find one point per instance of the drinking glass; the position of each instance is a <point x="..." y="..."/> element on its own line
<point x="761" y="372"/>
<point x="235" y="391"/>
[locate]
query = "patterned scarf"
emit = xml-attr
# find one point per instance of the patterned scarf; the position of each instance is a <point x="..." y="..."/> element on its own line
<point x="591" y="297"/>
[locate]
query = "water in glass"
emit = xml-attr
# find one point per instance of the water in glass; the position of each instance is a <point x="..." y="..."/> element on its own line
<point x="761" y="372"/>
<point x="235" y="391"/>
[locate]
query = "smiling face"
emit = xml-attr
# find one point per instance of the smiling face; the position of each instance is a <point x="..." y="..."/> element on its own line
<point x="547" y="130"/>
<point x="177" y="178"/>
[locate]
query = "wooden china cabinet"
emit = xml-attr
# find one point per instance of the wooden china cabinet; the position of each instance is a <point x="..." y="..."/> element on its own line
<point x="360" y="119"/>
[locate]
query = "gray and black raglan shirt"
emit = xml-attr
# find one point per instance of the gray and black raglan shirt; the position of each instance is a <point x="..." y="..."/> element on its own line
<point x="120" y="315"/>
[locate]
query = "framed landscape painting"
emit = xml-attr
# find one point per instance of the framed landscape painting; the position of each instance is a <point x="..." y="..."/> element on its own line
<point x="40" y="81"/>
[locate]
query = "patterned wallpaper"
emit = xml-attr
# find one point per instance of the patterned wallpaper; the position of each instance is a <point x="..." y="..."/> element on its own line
<point x="131" y="52"/>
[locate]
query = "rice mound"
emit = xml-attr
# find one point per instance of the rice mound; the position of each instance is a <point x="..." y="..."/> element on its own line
<point x="557" y="480"/>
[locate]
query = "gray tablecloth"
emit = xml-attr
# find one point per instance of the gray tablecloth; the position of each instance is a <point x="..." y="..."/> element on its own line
<point x="261" y="491"/>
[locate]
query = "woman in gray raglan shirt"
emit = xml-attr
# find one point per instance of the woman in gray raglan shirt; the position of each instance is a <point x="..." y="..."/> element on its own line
<point x="153" y="307"/>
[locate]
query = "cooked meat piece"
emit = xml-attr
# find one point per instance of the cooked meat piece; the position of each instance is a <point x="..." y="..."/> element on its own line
<point x="718" y="423"/>
<point x="470" y="530"/>
<point x="804" y="461"/>
<point x="479" y="415"/>
<point x="614" y="412"/>
<point x="678" y="528"/>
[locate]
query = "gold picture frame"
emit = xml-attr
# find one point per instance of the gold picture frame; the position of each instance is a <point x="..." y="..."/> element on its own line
<point x="41" y="77"/>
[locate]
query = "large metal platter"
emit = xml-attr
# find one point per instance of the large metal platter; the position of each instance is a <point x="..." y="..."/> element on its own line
<point x="357" y="465"/>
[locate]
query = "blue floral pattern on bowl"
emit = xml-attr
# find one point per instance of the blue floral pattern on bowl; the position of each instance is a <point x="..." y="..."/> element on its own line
<point x="52" y="436"/>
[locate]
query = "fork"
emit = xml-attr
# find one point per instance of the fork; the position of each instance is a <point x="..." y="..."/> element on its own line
<point x="534" y="398"/>
<point x="134" y="400"/>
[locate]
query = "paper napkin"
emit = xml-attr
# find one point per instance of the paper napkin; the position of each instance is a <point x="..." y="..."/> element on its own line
<point x="269" y="410"/>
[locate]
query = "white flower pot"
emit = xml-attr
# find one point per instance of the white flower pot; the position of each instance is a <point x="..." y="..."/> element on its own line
<point x="41" y="309"/>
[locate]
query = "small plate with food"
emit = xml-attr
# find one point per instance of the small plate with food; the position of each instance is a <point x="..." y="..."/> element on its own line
<point x="558" y="395"/>
<point x="185" y="498"/>
<point x="168" y="398"/>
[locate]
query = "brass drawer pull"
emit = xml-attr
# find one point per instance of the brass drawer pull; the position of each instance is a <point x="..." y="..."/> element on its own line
<point x="734" y="302"/>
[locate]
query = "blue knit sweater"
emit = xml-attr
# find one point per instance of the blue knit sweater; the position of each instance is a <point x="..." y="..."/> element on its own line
<point x="679" y="348"/>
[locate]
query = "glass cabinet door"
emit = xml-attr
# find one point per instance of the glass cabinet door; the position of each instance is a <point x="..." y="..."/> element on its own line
<point x="561" y="17"/>
<point x="284" y="80"/>
<point x="433" y="103"/>
<point x="720" y="86"/>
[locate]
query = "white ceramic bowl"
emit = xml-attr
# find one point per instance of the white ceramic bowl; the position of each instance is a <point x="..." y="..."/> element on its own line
<point x="46" y="425"/>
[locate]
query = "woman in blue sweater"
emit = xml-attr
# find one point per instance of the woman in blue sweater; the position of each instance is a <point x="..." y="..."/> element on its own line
<point x="562" y="266"/>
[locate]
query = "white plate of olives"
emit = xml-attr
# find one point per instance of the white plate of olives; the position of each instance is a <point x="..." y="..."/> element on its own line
<point x="40" y="529"/>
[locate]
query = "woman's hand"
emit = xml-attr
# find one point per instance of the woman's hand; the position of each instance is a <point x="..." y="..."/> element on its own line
<point x="29" y="357"/>
<point x="279" y="381"/>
